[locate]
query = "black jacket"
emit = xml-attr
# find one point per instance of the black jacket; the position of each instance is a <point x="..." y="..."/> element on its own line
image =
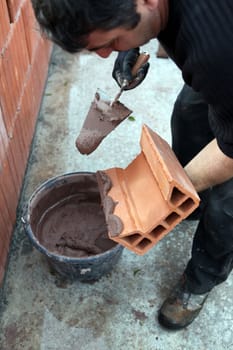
<point x="199" y="38"/>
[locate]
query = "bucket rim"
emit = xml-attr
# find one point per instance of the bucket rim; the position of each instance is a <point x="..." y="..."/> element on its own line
<point x="35" y="241"/>
<point x="53" y="179"/>
<point x="46" y="184"/>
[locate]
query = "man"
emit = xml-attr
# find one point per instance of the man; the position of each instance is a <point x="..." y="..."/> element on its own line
<point x="198" y="36"/>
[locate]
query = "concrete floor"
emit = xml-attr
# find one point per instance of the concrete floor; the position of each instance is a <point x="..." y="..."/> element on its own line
<point x="119" y="312"/>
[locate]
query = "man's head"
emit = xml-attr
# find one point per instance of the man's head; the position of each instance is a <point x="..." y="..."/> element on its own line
<point x="69" y="22"/>
<point x="102" y="26"/>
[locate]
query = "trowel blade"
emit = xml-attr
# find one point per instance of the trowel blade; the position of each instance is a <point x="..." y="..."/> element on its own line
<point x="101" y="119"/>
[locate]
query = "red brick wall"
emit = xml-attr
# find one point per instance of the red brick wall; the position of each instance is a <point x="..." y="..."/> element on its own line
<point x="24" y="57"/>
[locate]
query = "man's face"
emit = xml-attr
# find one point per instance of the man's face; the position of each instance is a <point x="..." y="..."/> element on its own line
<point x="104" y="43"/>
<point x="121" y="39"/>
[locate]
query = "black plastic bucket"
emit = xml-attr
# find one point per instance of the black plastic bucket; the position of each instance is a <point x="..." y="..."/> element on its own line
<point x="48" y="195"/>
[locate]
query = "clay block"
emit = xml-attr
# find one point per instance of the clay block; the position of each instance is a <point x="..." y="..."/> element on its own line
<point x="14" y="6"/>
<point x="9" y="149"/>
<point x="8" y="183"/>
<point x="149" y="198"/>
<point x="14" y="65"/>
<point x="32" y="94"/>
<point x="4" y="247"/>
<point x="46" y="48"/>
<point x="18" y="161"/>
<point x="3" y="138"/>
<point x="21" y="90"/>
<point x="31" y="28"/>
<point x="38" y="76"/>
<point x="40" y="65"/>
<point x="21" y="140"/>
<point x="4" y="24"/>
<point x="8" y="107"/>
<point x="12" y="166"/>
<point x="2" y="271"/>
<point x="8" y="187"/>
<point x="4" y="250"/>
<point x="165" y="167"/>
<point x="6" y="223"/>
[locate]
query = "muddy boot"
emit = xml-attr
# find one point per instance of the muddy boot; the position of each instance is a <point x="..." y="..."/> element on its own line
<point x="181" y="307"/>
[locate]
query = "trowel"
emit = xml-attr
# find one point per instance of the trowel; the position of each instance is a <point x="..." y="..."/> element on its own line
<point x="141" y="60"/>
<point x="105" y="114"/>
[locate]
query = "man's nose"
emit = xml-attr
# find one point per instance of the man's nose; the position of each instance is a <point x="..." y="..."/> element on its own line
<point x="104" y="52"/>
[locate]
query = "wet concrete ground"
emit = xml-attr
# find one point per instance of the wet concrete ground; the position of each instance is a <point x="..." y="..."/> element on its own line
<point x="41" y="311"/>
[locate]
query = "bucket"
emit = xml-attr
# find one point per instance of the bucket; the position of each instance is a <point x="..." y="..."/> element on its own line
<point x="64" y="221"/>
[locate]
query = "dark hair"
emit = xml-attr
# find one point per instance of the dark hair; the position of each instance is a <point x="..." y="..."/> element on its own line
<point x="68" y="22"/>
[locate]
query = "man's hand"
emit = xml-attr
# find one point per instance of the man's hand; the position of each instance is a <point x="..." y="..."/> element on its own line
<point x="122" y="70"/>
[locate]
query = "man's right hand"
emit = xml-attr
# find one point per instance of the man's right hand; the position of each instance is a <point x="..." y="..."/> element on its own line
<point x="122" y="70"/>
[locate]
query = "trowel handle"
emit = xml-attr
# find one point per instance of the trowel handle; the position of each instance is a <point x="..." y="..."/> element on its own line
<point x="141" y="60"/>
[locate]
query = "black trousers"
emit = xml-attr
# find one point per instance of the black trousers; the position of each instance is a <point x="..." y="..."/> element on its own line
<point x="212" y="250"/>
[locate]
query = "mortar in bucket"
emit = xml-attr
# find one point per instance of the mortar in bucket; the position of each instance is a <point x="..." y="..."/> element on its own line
<point x="64" y="220"/>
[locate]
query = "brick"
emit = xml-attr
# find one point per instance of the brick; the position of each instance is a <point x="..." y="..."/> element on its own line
<point x="14" y="7"/>
<point x="152" y="195"/>
<point x="7" y="106"/>
<point x="2" y="271"/>
<point x="14" y="64"/>
<point x="6" y="223"/>
<point x="4" y="251"/>
<point x="32" y="95"/>
<point x="40" y="64"/>
<point x="29" y="108"/>
<point x="31" y="27"/>
<point x="19" y="151"/>
<point x="16" y="160"/>
<point x="8" y="150"/>
<point x="36" y="83"/>
<point x="23" y="75"/>
<point x="48" y="47"/>
<point x="4" y="23"/>
<point x="8" y="180"/>
<point x="8" y="188"/>
<point x="12" y="167"/>
<point x="25" y="114"/>
<point x="5" y="238"/>
<point x="3" y="138"/>
<point x="2" y="243"/>
<point x="6" y="229"/>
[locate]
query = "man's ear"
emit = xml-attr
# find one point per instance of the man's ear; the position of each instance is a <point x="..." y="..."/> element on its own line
<point x="151" y="4"/>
